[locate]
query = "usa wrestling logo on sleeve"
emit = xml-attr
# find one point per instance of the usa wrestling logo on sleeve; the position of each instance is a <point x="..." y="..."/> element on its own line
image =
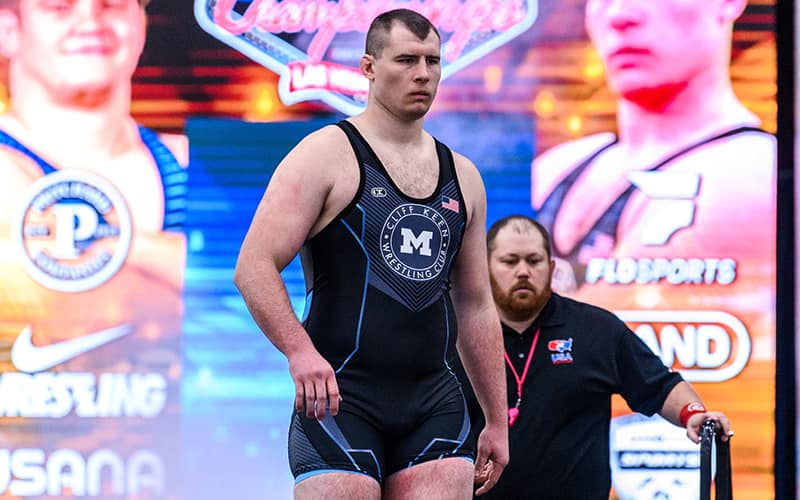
<point x="73" y="231"/>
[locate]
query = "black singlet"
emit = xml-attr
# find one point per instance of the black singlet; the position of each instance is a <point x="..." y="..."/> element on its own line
<point x="379" y="311"/>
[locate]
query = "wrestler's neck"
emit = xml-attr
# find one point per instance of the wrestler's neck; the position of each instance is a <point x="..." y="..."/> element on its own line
<point x="77" y="119"/>
<point x="680" y="114"/>
<point x="377" y="122"/>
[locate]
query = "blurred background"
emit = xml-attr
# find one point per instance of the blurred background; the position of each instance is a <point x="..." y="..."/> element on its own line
<point x="516" y="97"/>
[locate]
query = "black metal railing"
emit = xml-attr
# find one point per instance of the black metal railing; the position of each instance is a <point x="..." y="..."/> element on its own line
<point x="723" y="480"/>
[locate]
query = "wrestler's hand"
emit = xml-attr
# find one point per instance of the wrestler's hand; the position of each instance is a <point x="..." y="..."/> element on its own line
<point x="492" y="456"/>
<point x="695" y="422"/>
<point x="314" y="384"/>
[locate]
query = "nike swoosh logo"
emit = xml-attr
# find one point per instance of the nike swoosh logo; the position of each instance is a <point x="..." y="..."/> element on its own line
<point x="29" y="358"/>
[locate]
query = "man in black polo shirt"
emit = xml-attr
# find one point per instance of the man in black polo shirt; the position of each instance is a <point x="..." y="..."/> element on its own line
<point x="564" y="361"/>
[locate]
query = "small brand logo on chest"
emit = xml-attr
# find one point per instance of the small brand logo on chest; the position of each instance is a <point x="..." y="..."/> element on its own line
<point x="378" y="192"/>
<point x="561" y="351"/>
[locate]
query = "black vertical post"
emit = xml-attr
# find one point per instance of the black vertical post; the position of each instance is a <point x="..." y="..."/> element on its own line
<point x="785" y="376"/>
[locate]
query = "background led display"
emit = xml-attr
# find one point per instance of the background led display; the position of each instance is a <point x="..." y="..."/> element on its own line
<point x="214" y="397"/>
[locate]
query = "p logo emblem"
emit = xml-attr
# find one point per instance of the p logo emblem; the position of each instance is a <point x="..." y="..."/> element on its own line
<point x="72" y="231"/>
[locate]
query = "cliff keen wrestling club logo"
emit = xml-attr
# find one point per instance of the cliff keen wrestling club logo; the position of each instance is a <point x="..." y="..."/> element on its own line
<point x="414" y="242"/>
<point x="72" y="231"/>
<point x="315" y="45"/>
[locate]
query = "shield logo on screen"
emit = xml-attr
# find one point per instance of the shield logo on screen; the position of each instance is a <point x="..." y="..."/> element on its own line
<point x="315" y="45"/>
<point x="651" y="458"/>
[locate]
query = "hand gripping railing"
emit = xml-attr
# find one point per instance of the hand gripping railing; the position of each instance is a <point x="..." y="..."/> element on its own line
<point x="723" y="485"/>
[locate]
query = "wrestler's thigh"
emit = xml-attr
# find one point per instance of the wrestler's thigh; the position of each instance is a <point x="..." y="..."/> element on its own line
<point x="443" y="479"/>
<point x="336" y="486"/>
<point x="345" y="443"/>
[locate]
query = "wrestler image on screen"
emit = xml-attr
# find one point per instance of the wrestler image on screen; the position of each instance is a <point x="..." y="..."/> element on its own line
<point x="83" y="183"/>
<point x="672" y="177"/>
<point x="670" y="220"/>
<point x="91" y="209"/>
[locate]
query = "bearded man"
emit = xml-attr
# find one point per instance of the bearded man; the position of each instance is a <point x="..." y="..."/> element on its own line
<point x="564" y="361"/>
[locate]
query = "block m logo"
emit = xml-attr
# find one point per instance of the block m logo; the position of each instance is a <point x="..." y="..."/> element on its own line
<point x="412" y="241"/>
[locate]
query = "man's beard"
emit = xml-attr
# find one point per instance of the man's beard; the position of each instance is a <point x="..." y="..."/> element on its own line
<point x="518" y="308"/>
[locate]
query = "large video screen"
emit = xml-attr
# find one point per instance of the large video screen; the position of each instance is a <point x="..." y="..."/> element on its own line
<point x="134" y="152"/>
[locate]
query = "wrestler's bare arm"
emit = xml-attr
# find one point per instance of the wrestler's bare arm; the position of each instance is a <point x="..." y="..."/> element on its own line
<point x="304" y="194"/>
<point x="480" y="343"/>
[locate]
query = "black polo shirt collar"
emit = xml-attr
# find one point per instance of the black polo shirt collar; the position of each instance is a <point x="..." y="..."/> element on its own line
<point x="552" y="314"/>
<point x="518" y="346"/>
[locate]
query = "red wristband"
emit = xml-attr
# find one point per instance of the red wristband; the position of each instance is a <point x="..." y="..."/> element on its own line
<point x="689" y="410"/>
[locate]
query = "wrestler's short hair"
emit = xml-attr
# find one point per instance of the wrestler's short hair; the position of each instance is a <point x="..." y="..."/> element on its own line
<point x="381" y="26"/>
<point x="521" y="224"/>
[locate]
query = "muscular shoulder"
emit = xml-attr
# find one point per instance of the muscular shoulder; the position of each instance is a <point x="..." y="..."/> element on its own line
<point x="178" y="145"/>
<point x="748" y="150"/>
<point x="322" y="149"/>
<point x="744" y="164"/>
<point x="18" y="173"/>
<point x="465" y="169"/>
<point x="320" y="175"/>
<point x="553" y="165"/>
<point x="15" y="164"/>
<point x="318" y="158"/>
<point x="469" y="178"/>
<point x="329" y="135"/>
<point x="16" y="168"/>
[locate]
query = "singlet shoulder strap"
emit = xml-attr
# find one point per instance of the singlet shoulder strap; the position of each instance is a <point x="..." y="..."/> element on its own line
<point x="362" y="150"/>
<point x="706" y="140"/>
<point x="547" y="212"/>
<point x="365" y="155"/>
<point x="173" y="178"/>
<point x="9" y="141"/>
<point x="609" y="223"/>
<point x="447" y="163"/>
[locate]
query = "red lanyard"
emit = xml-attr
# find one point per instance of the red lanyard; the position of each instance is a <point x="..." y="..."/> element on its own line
<point x="513" y="413"/>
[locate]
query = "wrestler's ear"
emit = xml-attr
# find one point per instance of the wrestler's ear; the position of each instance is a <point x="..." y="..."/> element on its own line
<point x="730" y="10"/>
<point x="367" y="66"/>
<point x="9" y="33"/>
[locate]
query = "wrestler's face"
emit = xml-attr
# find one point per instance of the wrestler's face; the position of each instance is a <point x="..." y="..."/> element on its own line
<point x="405" y="76"/>
<point x="75" y="45"/>
<point x="657" y="45"/>
<point x="520" y="272"/>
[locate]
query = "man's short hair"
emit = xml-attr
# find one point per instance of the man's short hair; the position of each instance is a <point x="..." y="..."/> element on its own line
<point x="521" y="223"/>
<point x="378" y="33"/>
